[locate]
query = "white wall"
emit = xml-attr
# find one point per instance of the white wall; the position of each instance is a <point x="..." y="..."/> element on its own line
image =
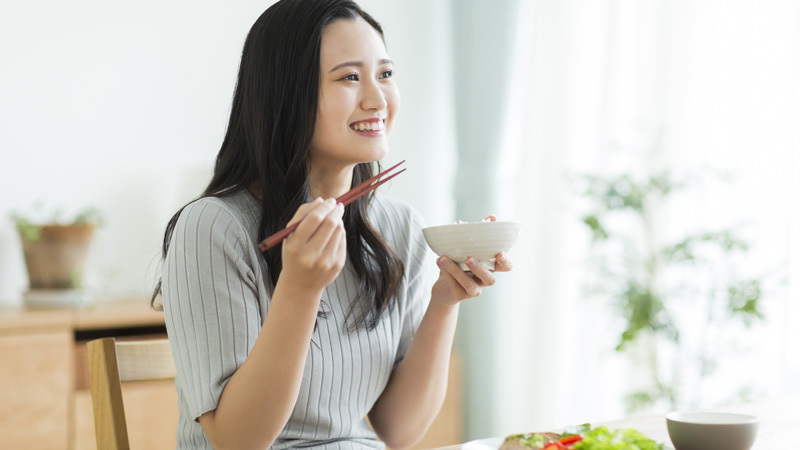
<point x="123" y="106"/>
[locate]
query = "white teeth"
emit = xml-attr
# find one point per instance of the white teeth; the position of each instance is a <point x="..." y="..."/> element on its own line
<point x="367" y="126"/>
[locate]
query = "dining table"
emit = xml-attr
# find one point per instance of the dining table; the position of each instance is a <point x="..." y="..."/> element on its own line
<point x="779" y="426"/>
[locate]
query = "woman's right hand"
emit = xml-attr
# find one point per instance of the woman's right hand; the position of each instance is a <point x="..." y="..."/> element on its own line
<point x="314" y="254"/>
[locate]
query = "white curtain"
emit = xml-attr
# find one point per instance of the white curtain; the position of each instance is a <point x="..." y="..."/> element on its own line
<point x="594" y="86"/>
<point x="483" y="31"/>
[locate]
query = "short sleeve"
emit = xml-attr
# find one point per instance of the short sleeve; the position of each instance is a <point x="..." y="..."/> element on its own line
<point x="210" y="302"/>
<point x="419" y="269"/>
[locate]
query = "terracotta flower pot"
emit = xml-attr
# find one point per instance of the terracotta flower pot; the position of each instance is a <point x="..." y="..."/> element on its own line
<point x="57" y="258"/>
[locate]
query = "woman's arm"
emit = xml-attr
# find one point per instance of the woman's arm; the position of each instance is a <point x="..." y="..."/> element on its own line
<point x="417" y="388"/>
<point x="258" y="399"/>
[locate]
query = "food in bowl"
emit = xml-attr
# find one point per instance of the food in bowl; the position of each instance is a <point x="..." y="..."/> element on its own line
<point x="582" y="437"/>
<point x="480" y="240"/>
<point x="701" y="430"/>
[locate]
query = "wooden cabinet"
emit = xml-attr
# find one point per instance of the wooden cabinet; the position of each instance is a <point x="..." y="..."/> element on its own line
<point x="35" y="388"/>
<point x="45" y="400"/>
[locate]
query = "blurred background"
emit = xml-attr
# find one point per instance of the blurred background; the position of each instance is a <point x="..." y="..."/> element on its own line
<point x="650" y="149"/>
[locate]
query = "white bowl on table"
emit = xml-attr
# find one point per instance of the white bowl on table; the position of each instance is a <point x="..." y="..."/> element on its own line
<point x="702" y="430"/>
<point x="480" y="240"/>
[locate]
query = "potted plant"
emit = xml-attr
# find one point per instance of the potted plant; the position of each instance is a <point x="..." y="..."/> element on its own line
<point x="679" y="300"/>
<point x="55" y="254"/>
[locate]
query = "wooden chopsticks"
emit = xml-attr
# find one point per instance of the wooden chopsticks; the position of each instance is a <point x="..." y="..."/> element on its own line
<point x="345" y="199"/>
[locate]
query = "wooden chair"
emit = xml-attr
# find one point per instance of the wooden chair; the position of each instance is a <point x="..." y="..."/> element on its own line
<point x="112" y="363"/>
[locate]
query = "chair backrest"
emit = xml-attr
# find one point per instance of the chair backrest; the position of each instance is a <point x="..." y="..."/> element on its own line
<point x="112" y="363"/>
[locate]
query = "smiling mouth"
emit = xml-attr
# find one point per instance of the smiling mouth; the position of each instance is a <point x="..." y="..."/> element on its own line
<point x="369" y="125"/>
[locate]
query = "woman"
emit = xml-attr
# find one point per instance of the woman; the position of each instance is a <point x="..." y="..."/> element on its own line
<point x="295" y="347"/>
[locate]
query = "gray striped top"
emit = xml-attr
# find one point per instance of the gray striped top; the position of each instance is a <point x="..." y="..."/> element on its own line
<point x="216" y="293"/>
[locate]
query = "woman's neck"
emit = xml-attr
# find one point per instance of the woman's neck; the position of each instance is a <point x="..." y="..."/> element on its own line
<point x="327" y="183"/>
<point x="322" y="183"/>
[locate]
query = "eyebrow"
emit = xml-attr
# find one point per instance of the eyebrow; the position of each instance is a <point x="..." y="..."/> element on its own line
<point x="358" y="64"/>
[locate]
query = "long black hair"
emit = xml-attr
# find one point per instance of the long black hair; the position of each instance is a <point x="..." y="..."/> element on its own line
<point x="268" y="139"/>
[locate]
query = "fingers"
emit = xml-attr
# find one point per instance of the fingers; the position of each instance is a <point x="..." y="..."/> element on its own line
<point x="330" y="224"/>
<point x="502" y="260"/>
<point x="482" y="273"/>
<point x="470" y="284"/>
<point x="503" y="263"/>
<point x="312" y="220"/>
<point x="471" y="287"/>
<point x="303" y="210"/>
<point x="454" y="288"/>
<point x="341" y="249"/>
<point x="314" y="254"/>
<point x="334" y="250"/>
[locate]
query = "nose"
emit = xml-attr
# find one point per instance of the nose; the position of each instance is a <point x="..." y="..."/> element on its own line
<point x="373" y="97"/>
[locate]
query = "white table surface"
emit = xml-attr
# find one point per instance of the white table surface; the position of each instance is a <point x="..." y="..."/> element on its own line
<point x="779" y="428"/>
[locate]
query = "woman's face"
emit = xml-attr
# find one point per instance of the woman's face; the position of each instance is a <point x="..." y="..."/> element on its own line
<point x="358" y="99"/>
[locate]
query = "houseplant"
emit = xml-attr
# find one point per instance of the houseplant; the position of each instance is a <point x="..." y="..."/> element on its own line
<point x="55" y="254"/>
<point x="682" y="301"/>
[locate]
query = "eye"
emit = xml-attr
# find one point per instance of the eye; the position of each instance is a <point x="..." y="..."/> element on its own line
<point x="351" y="77"/>
<point x="386" y="74"/>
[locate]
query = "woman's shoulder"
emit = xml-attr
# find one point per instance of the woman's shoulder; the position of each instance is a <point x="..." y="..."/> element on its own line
<point x="236" y="203"/>
<point x="212" y="213"/>
<point x="400" y="224"/>
<point x="386" y="209"/>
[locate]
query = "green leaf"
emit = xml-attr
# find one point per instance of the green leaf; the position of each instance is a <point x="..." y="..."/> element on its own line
<point x="638" y="400"/>
<point x="27" y="230"/>
<point x="662" y="184"/>
<point x="89" y="216"/>
<point x="576" y="429"/>
<point x="598" y="232"/>
<point x="727" y="240"/>
<point x="744" y="300"/>
<point x="641" y="307"/>
<point x="30" y="229"/>
<point x="689" y="248"/>
<point x="624" y="193"/>
<point x="601" y="438"/>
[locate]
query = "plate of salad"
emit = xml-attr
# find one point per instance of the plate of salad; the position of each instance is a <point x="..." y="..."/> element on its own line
<point x="580" y="437"/>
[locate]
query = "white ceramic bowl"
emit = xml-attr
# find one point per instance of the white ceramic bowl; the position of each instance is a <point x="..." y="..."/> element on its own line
<point x="698" y="430"/>
<point x="480" y="240"/>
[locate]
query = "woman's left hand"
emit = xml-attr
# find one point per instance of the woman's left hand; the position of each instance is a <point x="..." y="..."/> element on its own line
<point x="455" y="285"/>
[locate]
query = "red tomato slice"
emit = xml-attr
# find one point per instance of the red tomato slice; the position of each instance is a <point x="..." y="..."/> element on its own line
<point x="555" y="445"/>
<point x="571" y="439"/>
